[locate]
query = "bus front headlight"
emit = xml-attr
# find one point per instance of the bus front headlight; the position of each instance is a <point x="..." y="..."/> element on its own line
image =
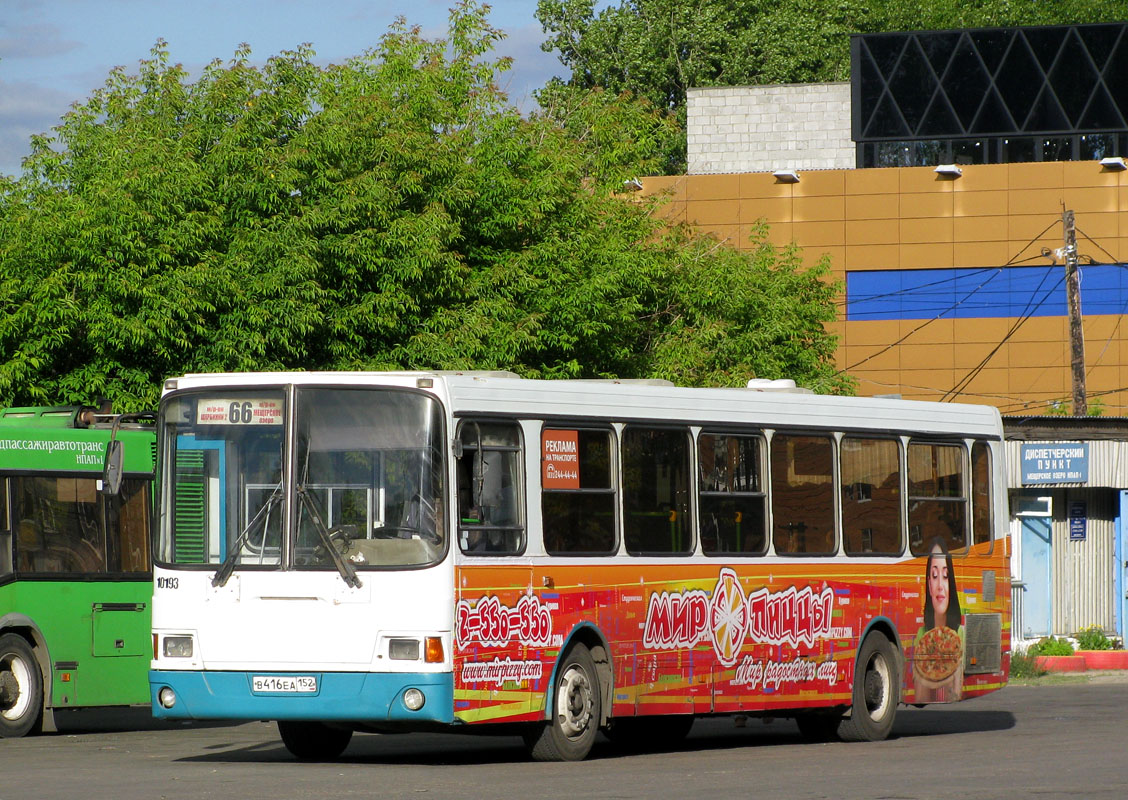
<point x="403" y="649"/>
<point x="178" y="646"/>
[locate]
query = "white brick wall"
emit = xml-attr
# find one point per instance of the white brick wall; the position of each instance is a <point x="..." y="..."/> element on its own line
<point x="765" y="128"/>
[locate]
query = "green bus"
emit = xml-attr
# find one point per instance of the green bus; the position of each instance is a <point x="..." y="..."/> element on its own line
<point x="75" y="565"/>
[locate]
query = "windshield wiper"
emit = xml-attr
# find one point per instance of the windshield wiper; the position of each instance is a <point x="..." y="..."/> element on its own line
<point x="224" y="572"/>
<point x="348" y="573"/>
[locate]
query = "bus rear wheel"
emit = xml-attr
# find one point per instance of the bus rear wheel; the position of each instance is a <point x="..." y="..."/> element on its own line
<point x="568" y="735"/>
<point x="313" y="741"/>
<point x="21" y="687"/>
<point x="877" y="691"/>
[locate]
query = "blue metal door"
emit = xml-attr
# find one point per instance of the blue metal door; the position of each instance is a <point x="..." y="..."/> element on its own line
<point x="1036" y="571"/>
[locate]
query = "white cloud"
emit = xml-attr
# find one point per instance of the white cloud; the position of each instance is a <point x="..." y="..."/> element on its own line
<point x="25" y="110"/>
<point x="34" y="41"/>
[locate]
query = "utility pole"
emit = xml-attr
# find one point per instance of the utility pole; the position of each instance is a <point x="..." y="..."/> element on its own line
<point x="1076" y="334"/>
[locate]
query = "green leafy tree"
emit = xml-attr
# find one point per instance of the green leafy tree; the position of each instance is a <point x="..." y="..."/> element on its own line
<point x="390" y="212"/>
<point x="657" y="49"/>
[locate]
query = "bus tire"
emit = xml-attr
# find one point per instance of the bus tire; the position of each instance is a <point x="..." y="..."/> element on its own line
<point x="877" y="691"/>
<point x="313" y="741"/>
<point x="21" y="688"/>
<point x="570" y="732"/>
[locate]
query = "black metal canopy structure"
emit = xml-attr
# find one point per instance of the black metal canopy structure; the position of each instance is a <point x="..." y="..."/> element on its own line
<point x="990" y="95"/>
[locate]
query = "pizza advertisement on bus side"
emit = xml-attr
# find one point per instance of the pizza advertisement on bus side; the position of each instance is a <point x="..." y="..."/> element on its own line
<point x="795" y="617"/>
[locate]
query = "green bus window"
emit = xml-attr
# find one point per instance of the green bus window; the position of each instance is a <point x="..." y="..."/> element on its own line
<point x="732" y="515"/>
<point x="802" y="494"/>
<point x="5" y="531"/>
<point x="937" y="505"/>
<point x="577" y="495"/>
<point x="127" y="527"/>
<point x="59" y="528"/>
<point x="871" y="497"/>
<point x="656" y="491"/>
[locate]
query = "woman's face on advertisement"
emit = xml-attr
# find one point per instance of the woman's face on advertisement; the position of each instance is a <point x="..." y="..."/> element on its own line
<point x="938" y="583"/>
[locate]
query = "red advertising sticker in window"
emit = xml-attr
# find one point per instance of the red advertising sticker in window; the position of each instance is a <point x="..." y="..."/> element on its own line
<point x="560" y="460"/>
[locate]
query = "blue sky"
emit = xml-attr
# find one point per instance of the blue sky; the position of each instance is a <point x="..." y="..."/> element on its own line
<point x="56" y="52"/>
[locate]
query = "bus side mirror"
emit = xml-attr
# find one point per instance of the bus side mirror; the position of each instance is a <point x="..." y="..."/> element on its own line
<point x="111" y="471"/>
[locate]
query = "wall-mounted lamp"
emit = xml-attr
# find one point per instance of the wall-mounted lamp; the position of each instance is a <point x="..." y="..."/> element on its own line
<point x="632" y="185"/>
<point x="786" y="176"/>
<point x="1114" y="163"/>
<point x="949" y="170"/>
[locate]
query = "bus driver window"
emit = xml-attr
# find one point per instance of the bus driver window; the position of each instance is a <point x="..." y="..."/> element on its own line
<point x="490" y="519"/>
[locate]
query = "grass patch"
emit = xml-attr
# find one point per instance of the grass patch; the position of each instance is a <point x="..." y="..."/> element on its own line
<point x="1051" y="679"/>
<point x="1024" y="666"/>
<point x="1050" y="646"/>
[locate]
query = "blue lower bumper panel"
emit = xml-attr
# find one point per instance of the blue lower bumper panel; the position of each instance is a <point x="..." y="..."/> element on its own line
<point x="345" y="696"/>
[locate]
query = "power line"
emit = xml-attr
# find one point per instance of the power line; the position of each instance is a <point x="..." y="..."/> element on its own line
<point x="1114" y="259"/>
<point x="1028" y="312"/>
<point x="933" y="390"/>
<point x="915" y="289"/>
<point x="968" y="273"/>
<point x="1031" y="403"/>
<point x="1124" y="308"/>
<point x="997" y="270"/>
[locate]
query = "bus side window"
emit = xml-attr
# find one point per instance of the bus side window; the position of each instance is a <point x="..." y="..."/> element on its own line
<point x="577" y="493"/>
<point x="731" y="513"/>
<point x="938" y="508"/>
<point x="982" y="518"/>
<point x="60" y="529"/>
<point x="127" y="527"/>
<point x="802" y="494"/>
<point x="490" y="489"/>
<point x="871" y="496"/>
<point x="656" y="490"/>
<point x="5" y="531"/>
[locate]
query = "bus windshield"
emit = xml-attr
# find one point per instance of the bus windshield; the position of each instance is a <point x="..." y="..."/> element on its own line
<point x="351" y="480"/>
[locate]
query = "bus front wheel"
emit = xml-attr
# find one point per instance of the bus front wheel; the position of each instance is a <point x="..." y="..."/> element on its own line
<point x="569" y="733"/>
<point x="313" y="741"/>
<point x="877" y="691"/>
<point x="21" y="687"/>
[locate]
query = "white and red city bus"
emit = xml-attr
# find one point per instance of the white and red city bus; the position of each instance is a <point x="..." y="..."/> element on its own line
<point x="409" y="551"/>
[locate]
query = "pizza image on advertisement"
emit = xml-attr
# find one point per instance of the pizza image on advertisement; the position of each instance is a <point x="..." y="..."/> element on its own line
<point x="938" y="654"/>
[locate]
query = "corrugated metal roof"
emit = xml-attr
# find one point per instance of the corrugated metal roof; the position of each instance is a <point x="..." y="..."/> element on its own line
<point x="1052" y="429"/>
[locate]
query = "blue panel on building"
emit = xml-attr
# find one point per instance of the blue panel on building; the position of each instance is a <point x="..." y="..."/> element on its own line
<point x="968" y="293"/>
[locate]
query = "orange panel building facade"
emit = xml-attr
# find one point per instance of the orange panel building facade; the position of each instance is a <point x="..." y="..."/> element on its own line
<point x="992" y="220"/>
<point x="936" y="183"/>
